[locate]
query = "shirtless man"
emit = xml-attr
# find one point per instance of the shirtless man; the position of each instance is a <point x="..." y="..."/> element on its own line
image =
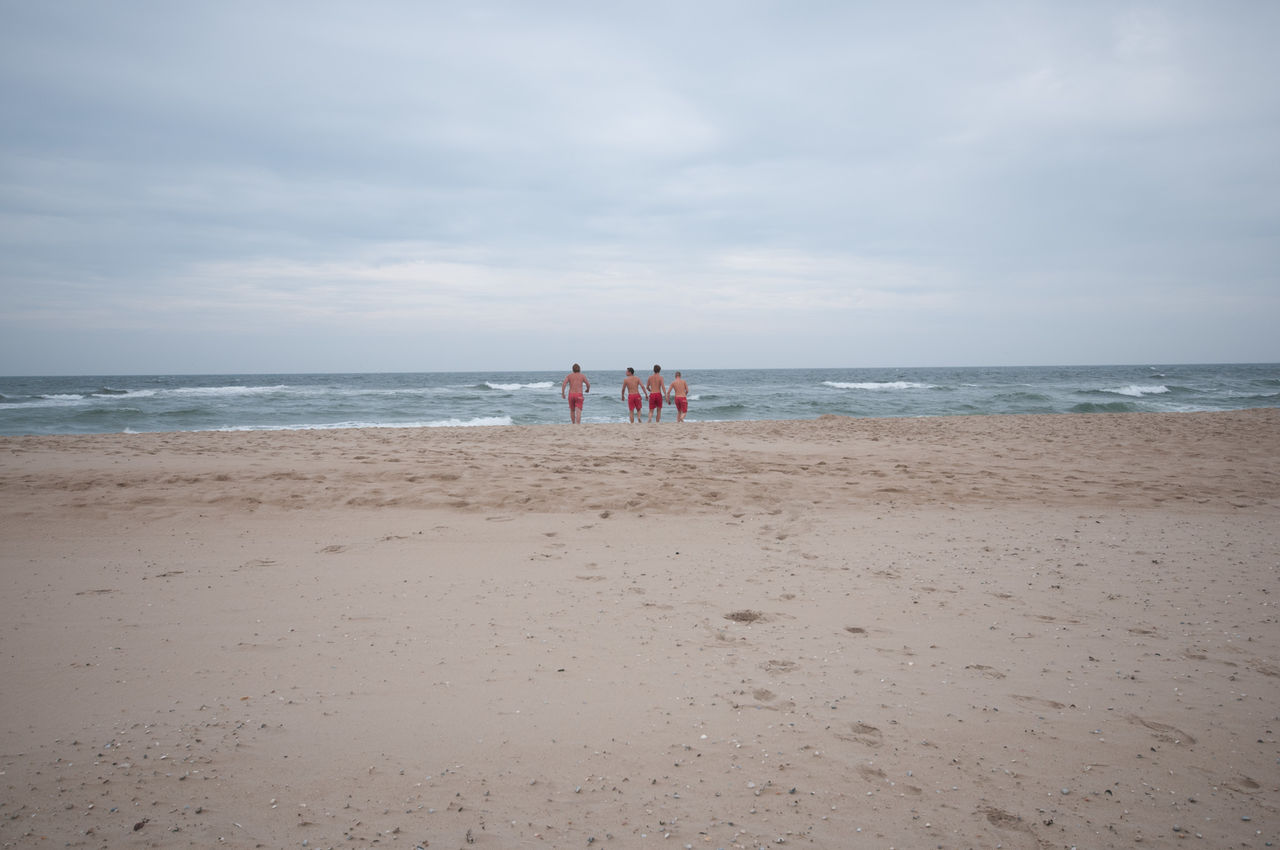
<point x="578" y="386"/>
<point x="631" y="392"/>
<point x="657" y="386"/>
<point x="681" y="390"/>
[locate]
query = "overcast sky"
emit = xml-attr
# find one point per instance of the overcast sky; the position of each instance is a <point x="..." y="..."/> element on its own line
<point x="422" y="186"/>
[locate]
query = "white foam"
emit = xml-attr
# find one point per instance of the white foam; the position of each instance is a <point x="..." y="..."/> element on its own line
<point x="879" y="385"/>
<point x="537" y="385"/>
<point x="214" y="391"/>
<point x="128" y="394"/>
<point x="44" y="401"/>
<point x="478" y="422"/>
<point x="1136" y="390"/>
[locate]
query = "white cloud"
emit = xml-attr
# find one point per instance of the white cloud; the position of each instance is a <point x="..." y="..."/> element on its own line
<point x="745" y="171"/>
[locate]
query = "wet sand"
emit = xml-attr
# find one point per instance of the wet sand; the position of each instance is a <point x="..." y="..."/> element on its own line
<point x="1016" y="631"/>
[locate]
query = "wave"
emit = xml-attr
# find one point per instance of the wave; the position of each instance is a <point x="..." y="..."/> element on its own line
<point x="57" y="400"/>
<point x="879" y="385"/>
<point x="1107" y="407"/>
<point x="1137" y="390"/>
<point x="125" y="393"/>
<point x="216" y="391"/>
<point x="477" y="422"/>
<point x="537" y="385"/>
<point x="1023" y="396"/>
<point x="203" y="392"/>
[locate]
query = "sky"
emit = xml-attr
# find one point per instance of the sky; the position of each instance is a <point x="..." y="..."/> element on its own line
<point x="248" y="187"/>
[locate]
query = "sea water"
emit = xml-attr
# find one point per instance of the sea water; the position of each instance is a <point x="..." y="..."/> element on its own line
<point x="140" y="403"/>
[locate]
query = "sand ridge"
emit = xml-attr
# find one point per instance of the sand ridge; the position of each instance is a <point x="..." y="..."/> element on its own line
<point x="1213" y="460"/>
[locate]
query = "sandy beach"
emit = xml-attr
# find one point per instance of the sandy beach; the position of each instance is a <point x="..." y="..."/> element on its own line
<point x="1004" y="631"/>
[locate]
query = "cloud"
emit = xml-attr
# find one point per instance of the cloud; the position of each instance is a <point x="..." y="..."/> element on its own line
<point x="744" y="170"/>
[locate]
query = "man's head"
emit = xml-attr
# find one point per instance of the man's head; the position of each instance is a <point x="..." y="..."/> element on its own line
<point x="577" y="368"/>
<point x="677" y="373"/>
<point x="630" y="371"/>
<point x="656" y="368"/>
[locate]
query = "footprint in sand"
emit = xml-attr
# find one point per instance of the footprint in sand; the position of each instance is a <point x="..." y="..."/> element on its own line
<point x="1047" y="703"/>
<point x="862" y="733"/>
<point x="1005" y="820"/>
<point x="776" y="666"/>
<point x="1243" y="785"/>
<point x="1164" y="732"/>
<point x="1266" y="669"/>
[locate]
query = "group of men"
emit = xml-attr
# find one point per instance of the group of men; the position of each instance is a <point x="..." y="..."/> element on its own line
<point x="578" y="386"/>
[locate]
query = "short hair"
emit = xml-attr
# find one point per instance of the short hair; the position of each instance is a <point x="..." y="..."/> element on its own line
<point x="677" y="373"/>
<point x="656" y="368"/>
<point x="577" y="368"/>
<point x="630" y="371"/>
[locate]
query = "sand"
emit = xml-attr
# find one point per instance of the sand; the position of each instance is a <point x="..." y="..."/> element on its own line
<point x="1012" y="631"/>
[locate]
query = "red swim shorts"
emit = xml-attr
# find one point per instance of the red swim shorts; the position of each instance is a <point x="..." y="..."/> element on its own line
<point x="655" y="400"/>
<point x="682" y="404"/>
<point x="575" y="400"/>
<point x="633" y="401"/>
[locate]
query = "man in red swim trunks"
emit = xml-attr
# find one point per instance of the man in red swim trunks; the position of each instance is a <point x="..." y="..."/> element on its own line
<point x="631" y="392"/>
<point x="578" y="386"/>
<point x="681" y="390"/>
<point x="657" y="386"/>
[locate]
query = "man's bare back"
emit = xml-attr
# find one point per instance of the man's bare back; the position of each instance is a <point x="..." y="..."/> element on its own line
<point x="680" y="389"/>
<point x="657" y="387"/>
<point x="578" y="385"/>
<point x="631" y="393"/>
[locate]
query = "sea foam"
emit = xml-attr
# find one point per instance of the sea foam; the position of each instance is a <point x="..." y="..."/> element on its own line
<point x="1136" y="390"/>
<point x="538" y="385"/>
<point x="879" y="385"/>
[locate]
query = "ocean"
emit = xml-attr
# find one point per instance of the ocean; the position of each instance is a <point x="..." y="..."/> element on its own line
<point x="87" y="404"/>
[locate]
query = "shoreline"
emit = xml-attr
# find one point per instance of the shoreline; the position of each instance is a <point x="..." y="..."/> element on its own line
<point x="1028" y="630"/>
<point x="287" y="429"/>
